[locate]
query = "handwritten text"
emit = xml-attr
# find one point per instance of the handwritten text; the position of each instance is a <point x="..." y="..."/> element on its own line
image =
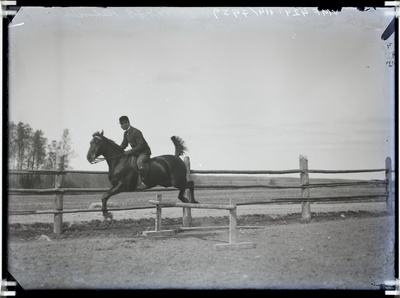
<point x="261" y="12"/>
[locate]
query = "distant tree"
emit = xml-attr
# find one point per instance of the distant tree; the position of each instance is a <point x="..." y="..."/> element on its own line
<point x="62" y="147"/>
<point x="38" y="151"/>
<point x="29" y="150"/>
<point x="65" y="146"/>
<point x="12" y="145"/>
<point x="22" y="142"/>
<point x="51" y="153"/>
<point x="26" y="149"/>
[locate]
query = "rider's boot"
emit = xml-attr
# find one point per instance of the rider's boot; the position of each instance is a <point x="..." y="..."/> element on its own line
<point x="141" y="185"/>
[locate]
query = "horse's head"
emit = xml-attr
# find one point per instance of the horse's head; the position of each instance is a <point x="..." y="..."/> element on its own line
<point x="95" y="148"/>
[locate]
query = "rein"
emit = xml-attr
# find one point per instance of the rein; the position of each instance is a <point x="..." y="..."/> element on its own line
<point x="100" y="159"/>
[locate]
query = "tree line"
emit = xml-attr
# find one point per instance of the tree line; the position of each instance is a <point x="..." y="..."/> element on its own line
<point x="29" y="149"/>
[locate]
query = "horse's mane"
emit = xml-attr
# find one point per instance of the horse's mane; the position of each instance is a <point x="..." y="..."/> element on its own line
<point x="109" y="141"/>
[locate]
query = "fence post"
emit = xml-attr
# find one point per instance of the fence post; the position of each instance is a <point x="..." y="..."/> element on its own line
<point x="158" y="213"/>
<point x="187" y="212"/>
<point x="389" y="186"/>
<point x="305" y="192"/>
<point x="232" y="224"/>
<point x="58" y="197"/>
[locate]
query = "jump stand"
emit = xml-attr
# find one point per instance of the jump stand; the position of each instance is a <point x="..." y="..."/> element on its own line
<point x="233" y="244"/>
<point x="157" y="231"/>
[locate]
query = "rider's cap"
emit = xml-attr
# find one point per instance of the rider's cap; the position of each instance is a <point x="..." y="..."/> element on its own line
<point x="123" y="118"/>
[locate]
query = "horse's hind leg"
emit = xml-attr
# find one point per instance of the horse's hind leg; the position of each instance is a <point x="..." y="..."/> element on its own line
<point x="181" y="195"/>
<point x="188" y="185"/>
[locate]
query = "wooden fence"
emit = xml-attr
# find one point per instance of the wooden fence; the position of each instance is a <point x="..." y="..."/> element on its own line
<point x="229" y="183"/>
<point x="305" y="186"/>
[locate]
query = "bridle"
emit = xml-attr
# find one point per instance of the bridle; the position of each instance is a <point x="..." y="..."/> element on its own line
<point x="100" y="159"/>
<point x="97" y="160"/>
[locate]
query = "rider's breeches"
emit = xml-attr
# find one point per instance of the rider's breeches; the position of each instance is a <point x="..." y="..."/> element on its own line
<point x="141" y="160"/>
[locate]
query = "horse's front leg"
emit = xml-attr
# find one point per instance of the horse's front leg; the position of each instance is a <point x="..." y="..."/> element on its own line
<point x="112" y="191"/>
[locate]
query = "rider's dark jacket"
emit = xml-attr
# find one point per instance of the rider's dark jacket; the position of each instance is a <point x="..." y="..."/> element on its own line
<point x="134" y="137"/>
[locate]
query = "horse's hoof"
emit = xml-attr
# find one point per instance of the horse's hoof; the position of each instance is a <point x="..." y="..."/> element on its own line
<point x="108" y="216"/>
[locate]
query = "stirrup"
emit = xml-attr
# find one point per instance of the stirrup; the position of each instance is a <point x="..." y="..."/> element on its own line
<point x="142" y="186"/>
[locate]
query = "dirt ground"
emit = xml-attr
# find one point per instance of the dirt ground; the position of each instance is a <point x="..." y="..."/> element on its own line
<point x="347" y="249"/>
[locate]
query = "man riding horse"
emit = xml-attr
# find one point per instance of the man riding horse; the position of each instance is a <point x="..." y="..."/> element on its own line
<point x="140" y="151"/>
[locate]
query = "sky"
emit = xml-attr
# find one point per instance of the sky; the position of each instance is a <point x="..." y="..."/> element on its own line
<point x="245" y="88"/>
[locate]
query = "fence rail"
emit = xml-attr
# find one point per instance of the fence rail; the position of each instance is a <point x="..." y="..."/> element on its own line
<point x="345" y="171"/>
<point x="72" y="191"/>
<point x="59" y="189"/>
<point x="313" y="199"/>
<point x="241" y="172"/>
<point x="75" y="210"/>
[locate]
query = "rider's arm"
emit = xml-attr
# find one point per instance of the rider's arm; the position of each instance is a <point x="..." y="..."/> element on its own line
<point x="140" y="143"/>
<point x="124" y="143"/>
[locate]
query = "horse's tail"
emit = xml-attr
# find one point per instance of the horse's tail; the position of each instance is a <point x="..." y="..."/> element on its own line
<point x="180" y="146"/>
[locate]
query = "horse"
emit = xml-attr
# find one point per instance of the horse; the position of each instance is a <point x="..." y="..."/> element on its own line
<point x="163" y="170"/>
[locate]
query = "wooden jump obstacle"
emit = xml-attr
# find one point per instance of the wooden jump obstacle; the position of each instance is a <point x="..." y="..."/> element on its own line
<point x="233" y="244"/>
